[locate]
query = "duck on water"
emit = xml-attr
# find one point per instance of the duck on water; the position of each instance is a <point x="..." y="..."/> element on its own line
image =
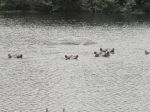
<point x="69" y="57"/>
<point x="104" y="52"/>
<point x="146" y="52"/>
<point x="15" y="56"/>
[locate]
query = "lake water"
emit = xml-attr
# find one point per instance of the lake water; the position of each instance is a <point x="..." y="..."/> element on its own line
<point x="44" y="79"/>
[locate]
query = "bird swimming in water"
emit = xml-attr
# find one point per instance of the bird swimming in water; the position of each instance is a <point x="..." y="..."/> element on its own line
<point x="146" y="52"/>
<point x="112" y="51"/>
<point x="71" y="57"/>
<point x="67" y="57"/>
<point x="96" y="54"/>
<point x="15" y="56"/>
<point x="107" y="54"/>
<point x="9" y="56"/>
<point x="103" y="50"/>
<point x="19" y="56"/>
<point x="75" y="57"/>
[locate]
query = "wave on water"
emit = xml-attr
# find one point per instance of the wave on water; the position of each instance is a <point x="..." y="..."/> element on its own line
<point x="88" y="43"/>
<point x="70" y="43"/>
<point x="85" y="42"/>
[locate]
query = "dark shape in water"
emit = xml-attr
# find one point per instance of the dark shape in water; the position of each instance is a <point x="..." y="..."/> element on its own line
<point x="146" y="52"/>
<point x="71" y="57"/>
<point x="96" y="54"/>
<point x="15" y="56"/>
<point x="107" y="54"/>
<point x="9" y="56"/>
<point x="103" y="50"/>
<point x="112" y="51"/>
<point x="19" y="56"/>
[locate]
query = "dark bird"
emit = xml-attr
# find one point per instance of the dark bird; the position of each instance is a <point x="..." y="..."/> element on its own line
<point x="19" y="56"/>
<point x="103" y="50"/>
<point x="75" y="57"/>
<point x="146" y="52"/>
<point x="9" y="56"/>
<point x="107" y="54"/>
<point x="96" y="54"/>
<point x="112" y="51"/>
<point x="67" y="57"/>
<point x="71" y="57"/>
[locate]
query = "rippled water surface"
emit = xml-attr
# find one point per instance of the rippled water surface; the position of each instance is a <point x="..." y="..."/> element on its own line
<point x="44" y="79"/>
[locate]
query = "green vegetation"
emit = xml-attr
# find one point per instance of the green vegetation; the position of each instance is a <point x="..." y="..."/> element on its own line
<point x="102" y="6"/>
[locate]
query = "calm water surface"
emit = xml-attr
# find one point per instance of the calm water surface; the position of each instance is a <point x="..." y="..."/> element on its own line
<point x="44" y="79"/>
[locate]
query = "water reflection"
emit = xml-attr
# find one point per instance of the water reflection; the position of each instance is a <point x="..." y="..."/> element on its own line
<point x="72" y="19"/>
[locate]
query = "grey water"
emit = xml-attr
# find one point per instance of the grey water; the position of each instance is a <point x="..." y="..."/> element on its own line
<point x="43" y="79"/>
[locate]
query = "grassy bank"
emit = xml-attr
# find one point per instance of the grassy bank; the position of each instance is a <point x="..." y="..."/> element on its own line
<point x="100" y="6"/>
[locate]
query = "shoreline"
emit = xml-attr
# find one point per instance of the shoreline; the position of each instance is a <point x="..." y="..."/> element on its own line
<point x="135" y="12"/>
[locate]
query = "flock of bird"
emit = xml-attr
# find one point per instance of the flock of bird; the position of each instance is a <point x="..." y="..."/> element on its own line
<point x="68" y="57"/>
<point x="104" y="52"/>
<point x="15" y="56"/>
<point x="101" y="53"/>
